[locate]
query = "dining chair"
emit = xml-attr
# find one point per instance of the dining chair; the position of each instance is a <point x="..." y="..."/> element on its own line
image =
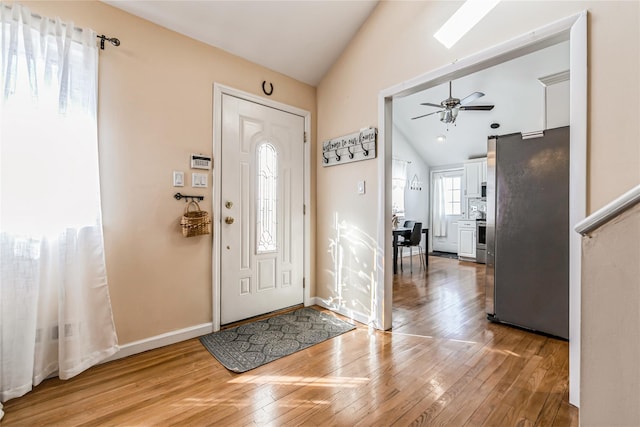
<point x="414" y="240"/>
<point x="406" y="234"/>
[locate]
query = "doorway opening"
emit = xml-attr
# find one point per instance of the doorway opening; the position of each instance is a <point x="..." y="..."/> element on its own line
<point x="446" y="209"/>
<point x="572" y="29"/>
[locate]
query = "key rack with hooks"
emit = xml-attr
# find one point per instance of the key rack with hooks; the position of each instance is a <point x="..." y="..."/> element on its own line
<point x="350" y="148"/>
<point x="179" y="196"/>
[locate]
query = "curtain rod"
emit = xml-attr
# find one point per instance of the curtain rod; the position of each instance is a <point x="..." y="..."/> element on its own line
<point x="114" y="41"/>
<point x="401" y="160"/>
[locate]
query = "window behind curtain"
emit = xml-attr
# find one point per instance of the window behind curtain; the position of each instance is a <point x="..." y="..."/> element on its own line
<point x="398" y="185"/>
<point x="55" y="309"/>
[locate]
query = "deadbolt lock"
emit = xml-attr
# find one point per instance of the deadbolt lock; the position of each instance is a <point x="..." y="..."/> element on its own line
<point x="228" y="205"/>
<point x="229" y="220"/>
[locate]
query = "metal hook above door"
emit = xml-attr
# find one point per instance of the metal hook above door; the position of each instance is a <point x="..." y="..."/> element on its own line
<point x="264" y="89"/>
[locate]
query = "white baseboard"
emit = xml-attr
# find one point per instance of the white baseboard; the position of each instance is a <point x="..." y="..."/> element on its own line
<point x="161" y="341"/>
<point x="173" y="337"/>
<point x="354" y="315"/>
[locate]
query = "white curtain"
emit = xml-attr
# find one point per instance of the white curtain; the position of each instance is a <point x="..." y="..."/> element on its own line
<point x="439" y="217"/>
<point x="398" y="185"/>
<point x="55" y="310"/>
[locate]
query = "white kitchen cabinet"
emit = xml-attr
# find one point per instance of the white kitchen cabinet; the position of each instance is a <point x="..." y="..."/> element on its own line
<point x="467" y="240"/>
<point x="472" y="176"/>
<point x="556" y="95"/>
<point x="475" y="173"/>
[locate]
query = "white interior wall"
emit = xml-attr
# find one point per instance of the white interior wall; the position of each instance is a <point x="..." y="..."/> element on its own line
<point x="416" y="202"/>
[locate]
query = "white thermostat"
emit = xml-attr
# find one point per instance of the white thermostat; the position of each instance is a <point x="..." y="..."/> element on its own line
<point x="178" y="179"/>
<point x="199" y="161"/>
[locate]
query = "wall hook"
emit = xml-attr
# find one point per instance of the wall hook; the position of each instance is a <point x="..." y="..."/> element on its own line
<point x="325" y="158"/>
<point x="364" y="150"/>
<point x="351" y="153"/>
<point x="337" y="155"/>
<point x="264" y="89"/>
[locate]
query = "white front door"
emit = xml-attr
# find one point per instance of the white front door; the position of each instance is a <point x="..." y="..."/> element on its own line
<point x="449" y="208"/>
<point x="262" y="195"/>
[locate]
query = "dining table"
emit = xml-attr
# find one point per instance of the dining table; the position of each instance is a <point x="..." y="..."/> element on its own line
<point x="406" y="231"/>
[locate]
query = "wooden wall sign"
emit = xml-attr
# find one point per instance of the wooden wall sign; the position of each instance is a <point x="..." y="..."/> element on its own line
<point x="350" y="148"/>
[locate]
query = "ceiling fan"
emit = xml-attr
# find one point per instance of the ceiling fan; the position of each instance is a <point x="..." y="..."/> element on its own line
<point x="451" y="106"/>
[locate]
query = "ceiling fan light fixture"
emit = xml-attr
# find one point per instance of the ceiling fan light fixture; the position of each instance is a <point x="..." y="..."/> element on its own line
<point x="449" y="115"/>
<point x="463" y="20"/>
<point x="451" y="106"/>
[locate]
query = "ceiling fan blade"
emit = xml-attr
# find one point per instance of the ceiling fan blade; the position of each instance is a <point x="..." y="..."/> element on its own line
<point x="425" y="115"/>
<point x="431" y="105"/>
<point x="477" y="107"/>
<point x="471" y="98"/>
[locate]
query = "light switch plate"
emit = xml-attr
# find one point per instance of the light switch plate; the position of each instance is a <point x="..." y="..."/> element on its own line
<point x="178" y="179"/>
<point x="361" y="187"/>
<point x="199" y="180"/>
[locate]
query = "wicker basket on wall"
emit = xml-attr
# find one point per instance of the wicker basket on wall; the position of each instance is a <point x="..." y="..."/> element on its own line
<point x="196" y="222"/>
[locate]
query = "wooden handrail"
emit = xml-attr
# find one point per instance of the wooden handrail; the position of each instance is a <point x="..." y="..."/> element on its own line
<point x="608" y="212"/>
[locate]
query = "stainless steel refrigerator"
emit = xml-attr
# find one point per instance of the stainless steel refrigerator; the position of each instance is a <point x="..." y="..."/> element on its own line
<point x="527" y="270"/>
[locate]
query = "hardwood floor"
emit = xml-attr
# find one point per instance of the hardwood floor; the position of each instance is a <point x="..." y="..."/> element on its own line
<point x="442" y="364"/>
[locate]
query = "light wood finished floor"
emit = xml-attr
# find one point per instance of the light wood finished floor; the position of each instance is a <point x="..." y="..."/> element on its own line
<point x="442" y="365"/>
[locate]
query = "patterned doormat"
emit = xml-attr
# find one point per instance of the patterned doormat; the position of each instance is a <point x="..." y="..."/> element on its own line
<point x="254" y="344"/>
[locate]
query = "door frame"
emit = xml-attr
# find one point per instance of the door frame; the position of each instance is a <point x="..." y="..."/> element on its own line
<point x="430" y="242"/>
<point x="572" y="28"/>
<point x="218" y="91"/>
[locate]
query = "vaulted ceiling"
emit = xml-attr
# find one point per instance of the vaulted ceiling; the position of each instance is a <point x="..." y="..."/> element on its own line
<point x="513" y="87"/>
<point x="301" y="39"/>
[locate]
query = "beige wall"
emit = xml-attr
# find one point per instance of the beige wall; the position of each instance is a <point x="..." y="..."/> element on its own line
<point x="396" y="44"/>
<point x="155" y="108"/>
<point x="156" y="105"/>
<point x="610" y="387"/>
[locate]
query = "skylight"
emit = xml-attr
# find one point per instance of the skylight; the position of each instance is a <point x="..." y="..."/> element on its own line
<point x="463" y="20"/>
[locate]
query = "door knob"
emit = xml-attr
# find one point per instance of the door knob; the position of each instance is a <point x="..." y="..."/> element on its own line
<point x="229" y="220"/>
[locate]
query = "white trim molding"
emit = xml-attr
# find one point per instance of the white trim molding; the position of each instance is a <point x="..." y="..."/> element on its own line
<point x="555" y="78"/>
<point x="161" y="340"/>
<point x="358" y="317"/>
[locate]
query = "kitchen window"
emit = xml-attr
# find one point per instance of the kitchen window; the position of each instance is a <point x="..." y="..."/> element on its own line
<point x="452" y="195"/>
